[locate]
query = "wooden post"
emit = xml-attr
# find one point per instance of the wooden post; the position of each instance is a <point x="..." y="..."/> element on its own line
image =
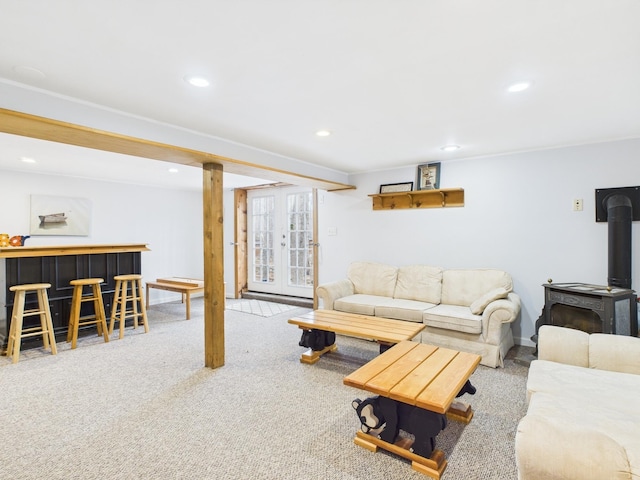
<point x="241" y="242"/>
<point x="213" y="265"/>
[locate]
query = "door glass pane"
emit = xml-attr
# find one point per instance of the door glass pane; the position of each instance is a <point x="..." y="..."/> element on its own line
<point x="263" y="234"/>
<point x="300" y="258"/>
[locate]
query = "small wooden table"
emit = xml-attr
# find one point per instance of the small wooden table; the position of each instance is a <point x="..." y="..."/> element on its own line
<point x="417" y="374"/>
<point x="383" y="330"/>
<point x="184" y="286"/>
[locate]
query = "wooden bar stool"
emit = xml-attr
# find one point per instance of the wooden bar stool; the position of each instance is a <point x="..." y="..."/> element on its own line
<point x="17" y="332"/>
<point x="98" y="318"/>
<point x="119" y="311"/>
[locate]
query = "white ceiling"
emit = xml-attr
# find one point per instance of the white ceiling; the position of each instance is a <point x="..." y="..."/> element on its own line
<point x="68" y="160"/>
<point x="392" y="80"/>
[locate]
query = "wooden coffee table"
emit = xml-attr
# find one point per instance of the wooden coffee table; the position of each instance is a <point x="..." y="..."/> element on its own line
<point x="385" y="331"/>
<point x="422" y="375"/>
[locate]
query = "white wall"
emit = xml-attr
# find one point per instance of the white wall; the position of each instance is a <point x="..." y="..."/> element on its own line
<point x="168" y="220"/>
<point x="517" y="216"/>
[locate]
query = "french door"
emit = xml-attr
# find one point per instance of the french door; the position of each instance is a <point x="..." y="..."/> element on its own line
<point x="280" y="237"/>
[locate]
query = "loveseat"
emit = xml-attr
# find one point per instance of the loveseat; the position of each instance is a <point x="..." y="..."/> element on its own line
<point x="470" y="310"/>
<point x="583" y="419"/>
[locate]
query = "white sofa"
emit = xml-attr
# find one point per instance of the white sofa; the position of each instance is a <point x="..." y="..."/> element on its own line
<point x="468" y="310"/>
<point x="583" y="420"/>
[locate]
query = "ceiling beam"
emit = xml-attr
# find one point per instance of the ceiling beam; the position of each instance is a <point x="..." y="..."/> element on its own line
<point x="43" y="128"/>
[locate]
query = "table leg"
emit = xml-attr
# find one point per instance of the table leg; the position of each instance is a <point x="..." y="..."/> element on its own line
<point x="433" y="466"/>
<point x="460" y="411"/>
<point x="312" y="356"/>
<point x="188" y="294"/>
<point x="147" y="285"/>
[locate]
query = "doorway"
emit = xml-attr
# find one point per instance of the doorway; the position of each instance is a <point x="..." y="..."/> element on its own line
<point x="281" y="245"/>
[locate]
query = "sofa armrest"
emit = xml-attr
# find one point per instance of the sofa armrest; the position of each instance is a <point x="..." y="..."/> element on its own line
<point x="330" y="292"/>
<point x="497" y="313"/>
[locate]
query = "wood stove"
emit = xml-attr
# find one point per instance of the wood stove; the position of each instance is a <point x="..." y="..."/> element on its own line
<point x="590" y="308"/>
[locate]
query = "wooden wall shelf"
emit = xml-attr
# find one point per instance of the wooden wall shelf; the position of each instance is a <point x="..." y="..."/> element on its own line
<point x="444" y="197"/>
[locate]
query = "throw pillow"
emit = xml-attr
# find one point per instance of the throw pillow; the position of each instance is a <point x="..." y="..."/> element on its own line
<point x="478" y="306"/>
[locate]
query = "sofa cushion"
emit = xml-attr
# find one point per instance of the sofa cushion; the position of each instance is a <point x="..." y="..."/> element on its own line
<point x="478" y="305"/>
<point x="373" y="278"/>
<point x="563" y="345"/>
<point x="401" y="309"/>
<point x="575" y="384"/>
<point x="463" y="287"/>
<point x="618" y="353"/>
<point x="453" y="317"/>
<point x="585" y="440"/>
<point x="419" y="282"/>
<point x="360" y="303"/>
<point x="579" y="420"/>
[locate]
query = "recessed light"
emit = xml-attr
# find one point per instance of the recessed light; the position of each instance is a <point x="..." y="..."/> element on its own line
<point x="450" y="148"/>
<point x="27" y="160"/>
<point x="518" y="87"/>
<point x="197" y="81"/>
<point x="323" y="133"/>
<point x="173" y="170"/>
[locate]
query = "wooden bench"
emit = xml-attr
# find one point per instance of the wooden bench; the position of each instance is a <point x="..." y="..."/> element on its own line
<point x="385" y="331"/>
<point x="184" y="286"/>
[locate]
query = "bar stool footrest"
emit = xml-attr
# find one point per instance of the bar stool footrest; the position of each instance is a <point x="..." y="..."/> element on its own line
<point x="32" y="333"/>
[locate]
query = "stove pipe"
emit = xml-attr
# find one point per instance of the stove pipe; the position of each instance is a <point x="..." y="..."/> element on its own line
<point x="619" y="217"/>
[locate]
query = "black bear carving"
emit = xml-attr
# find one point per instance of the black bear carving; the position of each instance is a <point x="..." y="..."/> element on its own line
<point x="317" y="339"/>
<point x="385" y="418"/>
<point x="377" y="412"/>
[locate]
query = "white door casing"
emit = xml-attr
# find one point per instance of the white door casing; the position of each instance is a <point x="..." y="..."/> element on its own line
<point x="280" y="234"/>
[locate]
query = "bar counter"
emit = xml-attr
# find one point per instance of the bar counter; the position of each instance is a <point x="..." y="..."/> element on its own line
<point x="53" y="250"/>
<point x="58" y="265"/>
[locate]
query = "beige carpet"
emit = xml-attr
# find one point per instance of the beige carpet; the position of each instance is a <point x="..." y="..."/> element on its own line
<point x="144" y="407"/>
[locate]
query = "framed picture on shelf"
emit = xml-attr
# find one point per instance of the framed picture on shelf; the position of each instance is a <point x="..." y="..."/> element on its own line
<point x="396" y="187"/>
<point x="428" y="177"/>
